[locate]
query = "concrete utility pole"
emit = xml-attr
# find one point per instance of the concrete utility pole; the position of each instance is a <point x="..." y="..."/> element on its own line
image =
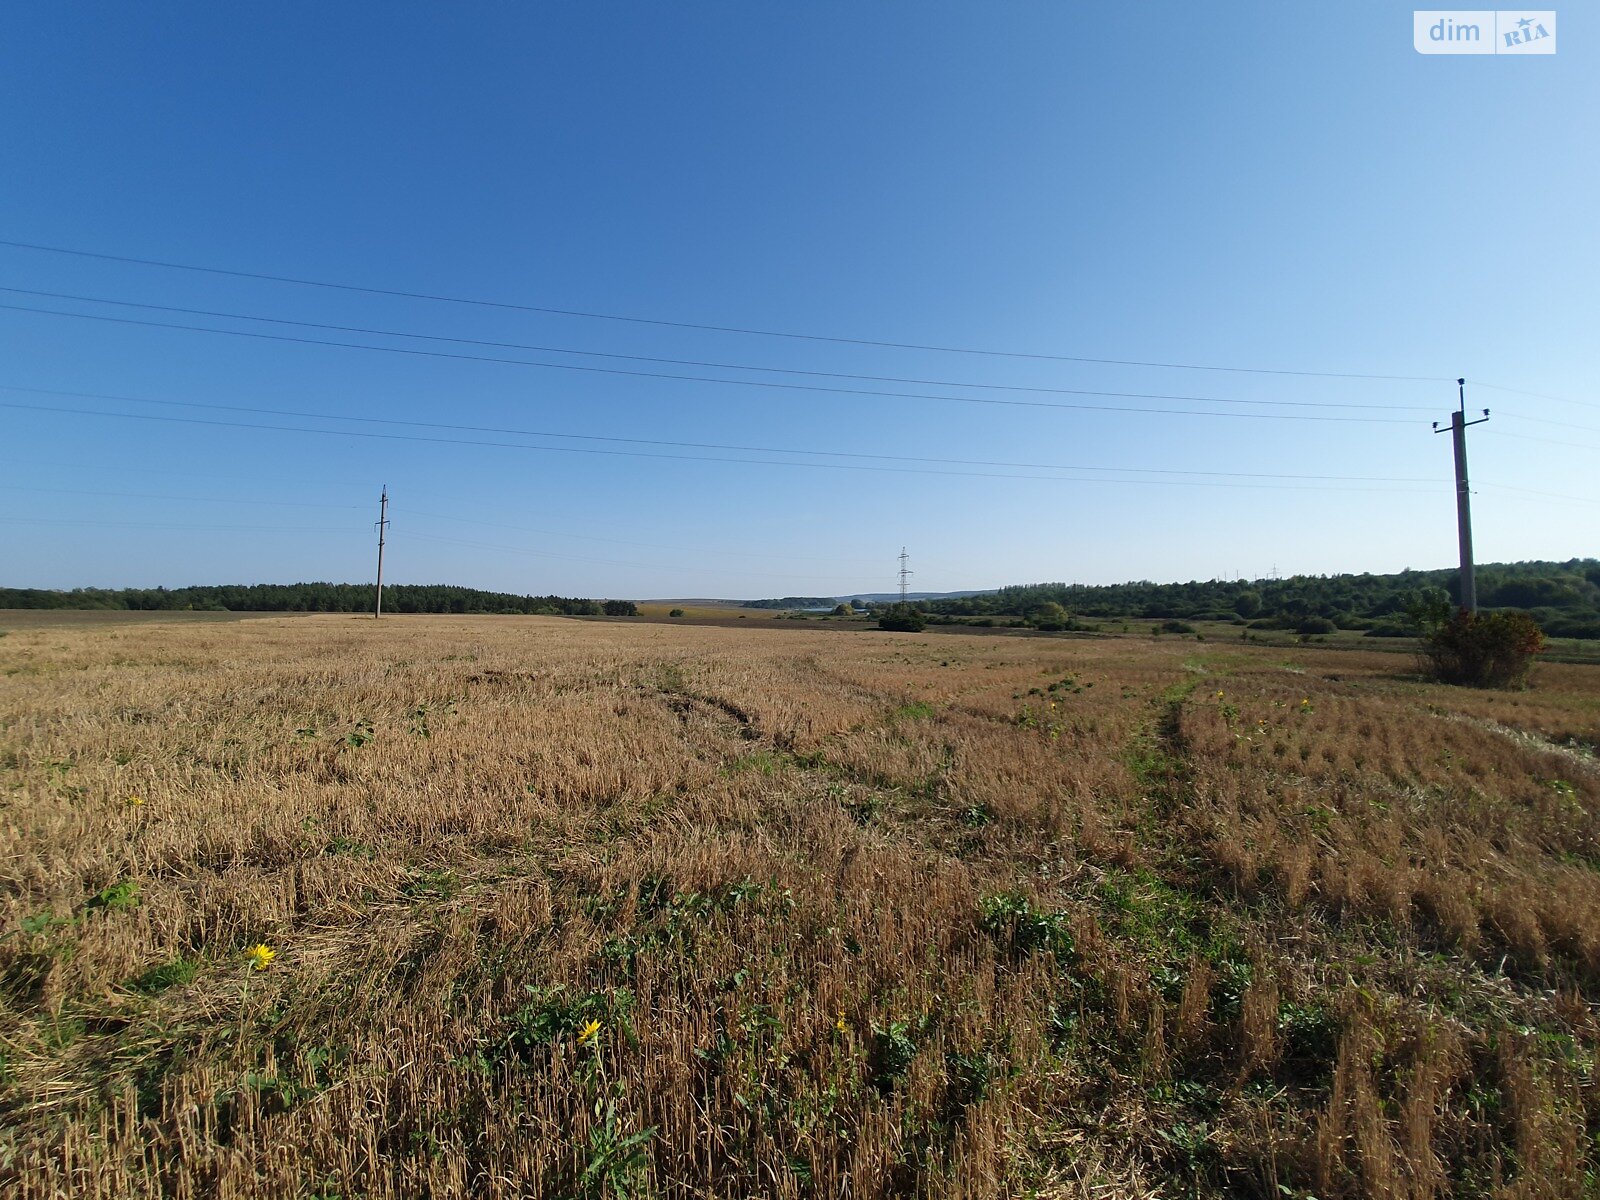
<point x="1458" y="431"/>
<point x="383" y="521"/>
<point x="904" y="573"/>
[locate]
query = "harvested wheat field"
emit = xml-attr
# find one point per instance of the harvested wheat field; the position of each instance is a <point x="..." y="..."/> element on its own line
<point x="443" y="906"/>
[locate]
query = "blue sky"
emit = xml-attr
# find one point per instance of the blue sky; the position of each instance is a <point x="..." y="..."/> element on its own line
<point x="1271" y="186"/>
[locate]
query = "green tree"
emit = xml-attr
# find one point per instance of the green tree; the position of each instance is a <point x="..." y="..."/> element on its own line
<point x="1049" y="616"/>
<point x="902" y="618"/>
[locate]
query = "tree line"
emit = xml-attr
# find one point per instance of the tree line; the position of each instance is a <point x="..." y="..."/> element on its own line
<point x="1564" y="597"/>
<point x="313" y="597"/>
<point x="791" y="602"/>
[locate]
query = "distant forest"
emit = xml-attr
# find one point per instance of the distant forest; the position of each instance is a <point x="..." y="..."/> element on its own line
<point x="1563" y="597"/>
<point x="792" y="602"/>
<point x="312" y="597"/>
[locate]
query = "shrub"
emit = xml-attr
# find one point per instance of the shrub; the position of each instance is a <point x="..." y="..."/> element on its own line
<point x="1050" y="617"/>
<point x="620" y="608"/>
<point x="1175" y="627"/>
<point x="1315" y="625"/>
<point x="677" y="612"/>
<point x="902" y="618"/>
<point x="1390" y="628"/>
<point x="1489" y="649"/>
<point x="1575" y="625"/>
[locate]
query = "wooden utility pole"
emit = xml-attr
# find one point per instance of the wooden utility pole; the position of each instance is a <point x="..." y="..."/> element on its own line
<point x="1458" y="431"/>
<point x="383" y="522"/>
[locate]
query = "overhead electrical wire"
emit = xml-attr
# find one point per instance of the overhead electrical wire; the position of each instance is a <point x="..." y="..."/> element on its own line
<point x="677" y="457"/>
<point x="735" y="448"/>
<point x="277" y="478"/>
<point x="747" y="383"/>
<point x="610" y="562"/>
<point x="710" y="328"/>
<point x="1506" y="487"/>
<point x="723" y="366"/>
<point x="1537" y="395"/>
<point x="394" y="508"/>
<point x="16" y="487"/>
<point x="98" y="524"/>
<point x="1548" y="421"/>
<point x="1528" y="437"/>
<point x="413" y="512"/>
<point x="1190" y="478"/>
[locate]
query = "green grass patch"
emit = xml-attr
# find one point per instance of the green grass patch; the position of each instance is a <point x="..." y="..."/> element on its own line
<point x="157" y="979"/>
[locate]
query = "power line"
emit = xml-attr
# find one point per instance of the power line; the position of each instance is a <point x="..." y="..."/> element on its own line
<point x="165" y="525"/>
<point x="676" y="457"/>
<point x="610" y="541"/>
<point x="610" y="562"/>
<point x="295" y="529"/>
<point x="741" y="449"/>
<point x="56" y="521"/>
<point x="1505" y="487"/>
<point x="771" y="333"/>
<point x="1548" y="421"/>
<point x="761" y="462"/>
<point x="1525" y="437"/>
<point x="16" y="487"/>
<point x="1538" y="395"/>
<point x="749" y="383"/>
<point x="277" y="478"/>
<point x="691" y="362"/>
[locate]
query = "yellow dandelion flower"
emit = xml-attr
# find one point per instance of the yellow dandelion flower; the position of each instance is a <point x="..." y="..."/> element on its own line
<point x="841" y="1024"/>
<point x="135" y="801"/>
<point x="589" y="1033"/>
<point x="261" y="956"/>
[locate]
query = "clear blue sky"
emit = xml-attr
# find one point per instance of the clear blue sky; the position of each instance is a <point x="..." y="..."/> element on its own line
<point x="1264" y="185"/>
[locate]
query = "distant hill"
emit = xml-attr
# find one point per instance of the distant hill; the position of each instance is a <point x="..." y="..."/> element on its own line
<point x="1564" y="597"/>
<point x="301" y="597"/>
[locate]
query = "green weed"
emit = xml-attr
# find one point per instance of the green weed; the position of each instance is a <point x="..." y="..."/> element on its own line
<point x="117" y="897"/>
<point x="176" y="973"/>
<point x="1013" y="921"/>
